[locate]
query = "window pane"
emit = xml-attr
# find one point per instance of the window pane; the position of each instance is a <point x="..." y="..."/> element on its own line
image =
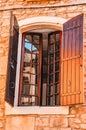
<point x="56" y="77"/>
<point x="56" y="99"/>
<point x="52" y="38"/>
<point x="57" y="46"/>
<point x="57" y="56"/>
<point x="28" y="38"/>
<point x="51" y="49"/>
<point x="36" y="39"/>
<point x="50" y="90"/>
<point x="57" y="37"/>
<point x="51" y="69"/>
<point x="51" y="77"/>
<point x="57" y="66"/>
<point x="56" y="88"/>
<point x="30" y="71"/>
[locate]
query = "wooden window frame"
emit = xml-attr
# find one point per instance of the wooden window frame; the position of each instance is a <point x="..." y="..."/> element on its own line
<point x="22" y="64"/>
<point x="54" y="64"/>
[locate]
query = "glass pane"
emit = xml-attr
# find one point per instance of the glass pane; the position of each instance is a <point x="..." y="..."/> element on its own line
<point x="52" y="58"/>
<point x="50" y="90"/>
<point x="26" y="90"/>
<point x="56" y="88"/>
<point x="28" y="46"/>
<point x="56" y="99"/>
<point x="51" y="49"/>
<point x="50" y="101"/>
<point x="56" y="77"/>
<point x="57" y="45"/>
<point x="57" y="56"/>
<point x="52" y="38"/>
<point x="28" y="38"/>
<point x="32" y="100"/>
<point x="51" y="77"/>
<point x="57" y="66"/>
<point x="51" y="69"/>
<point x="36" y="39"/>
<point x="33" y="48"/>
<point x="57" y="37"/>
<point x="30" y="72"/>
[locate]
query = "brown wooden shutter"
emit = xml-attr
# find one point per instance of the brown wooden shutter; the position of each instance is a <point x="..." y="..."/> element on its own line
<point x="14" y="29"/>
<point x="72" y="56"/>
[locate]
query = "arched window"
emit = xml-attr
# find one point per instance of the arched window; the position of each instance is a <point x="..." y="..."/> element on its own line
<point x="51" y="65"/>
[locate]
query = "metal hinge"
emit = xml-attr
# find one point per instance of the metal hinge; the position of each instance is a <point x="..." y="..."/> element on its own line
<point x="72" y="27"/>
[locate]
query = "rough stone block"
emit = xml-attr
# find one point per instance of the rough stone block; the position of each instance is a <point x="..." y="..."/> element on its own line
<point x="83" y="126"/>
<point x="3" y="65"/>
<point x="74" y="123"/>
<point x="42" y="121"/>
<point x="20" y="123"/>
<point x="1" y="112"/>
<point x="83" y="118"/>
<point x="59" y="122"/>
<point x="1" y="124"/>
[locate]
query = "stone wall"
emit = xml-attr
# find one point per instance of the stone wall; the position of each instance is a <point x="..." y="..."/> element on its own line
<point x="76" y="119"/>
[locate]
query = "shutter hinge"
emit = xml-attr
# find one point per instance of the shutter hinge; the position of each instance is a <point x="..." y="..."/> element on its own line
<point x="70" y="28"/>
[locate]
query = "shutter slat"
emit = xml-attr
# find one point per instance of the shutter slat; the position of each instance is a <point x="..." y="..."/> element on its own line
<point x="71" y="81"/>
<point x="12" y="59"/>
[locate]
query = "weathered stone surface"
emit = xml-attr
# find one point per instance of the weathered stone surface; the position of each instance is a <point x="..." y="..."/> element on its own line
<point x="59" y="122"/>
<point x="3" y="65"/>
<point x="42" y="121"/>
<point x="1" y="124"/>
<point x="65" y="129"/>
<point x="74" y="123"/>
<point x="20" y="122"/>
<point x="83" y="126"/>
<point x="1" y="112"/>
<point x="83" y="118"/>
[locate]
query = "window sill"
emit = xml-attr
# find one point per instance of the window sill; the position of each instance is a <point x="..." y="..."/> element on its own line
<point x="35" y="110"/>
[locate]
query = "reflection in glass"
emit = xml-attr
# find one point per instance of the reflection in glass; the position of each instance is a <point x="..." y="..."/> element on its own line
<point x="56" y="77"/>
<point x="57" y="66"/>
<point x="30" y="72"/>
<point x="56" y="88"/>
<point x="54" y="66"/>
<point x="51" y="57"/>
<point x="57" y="46"/>
<point x="36" y="39"/>
<point x="51" y="68"/>
<point x="50" y="90"/>
<point x="57" y="56"/>
<point x="28" y="38"/>
<point x="51" y="79"/>
<point x="51" y="49"/>
<point x="52" y="38"/>
<point x="57" y="37"/>
<point x="56" y="99"/>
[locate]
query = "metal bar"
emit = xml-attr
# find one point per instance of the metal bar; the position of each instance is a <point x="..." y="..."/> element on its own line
<point x="72" y="27"/>
<point x="69" y="94"/>
<point x="74" y="57"/>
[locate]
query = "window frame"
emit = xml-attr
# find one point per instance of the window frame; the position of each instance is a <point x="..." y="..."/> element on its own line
<point x="19" y="63"/>
<point x="21" y="66"/>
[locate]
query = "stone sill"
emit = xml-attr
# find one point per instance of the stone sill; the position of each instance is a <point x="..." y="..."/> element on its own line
<point x="35" y="110"/>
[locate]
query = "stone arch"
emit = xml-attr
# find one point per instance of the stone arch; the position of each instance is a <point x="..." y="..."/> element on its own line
<point x="41" y="22"/>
